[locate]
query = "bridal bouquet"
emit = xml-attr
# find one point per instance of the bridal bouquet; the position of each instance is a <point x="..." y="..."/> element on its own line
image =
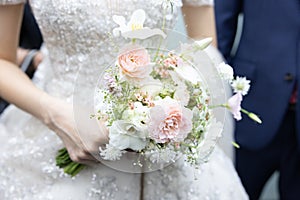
<point x="156" y="103"/>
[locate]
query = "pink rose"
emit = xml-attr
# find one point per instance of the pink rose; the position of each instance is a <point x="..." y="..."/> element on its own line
<point x="169" y="121"/>
<point x="234" y="104"/>
<point x="134" y="62"/>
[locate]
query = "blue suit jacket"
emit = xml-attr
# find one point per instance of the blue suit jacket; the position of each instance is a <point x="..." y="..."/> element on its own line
<point x="269" y="55"/>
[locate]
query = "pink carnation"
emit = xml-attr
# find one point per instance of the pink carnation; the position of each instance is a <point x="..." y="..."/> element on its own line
<point x="169" y="121"/>
<point x="234" y="104"/>
<point x="134" y="62"/>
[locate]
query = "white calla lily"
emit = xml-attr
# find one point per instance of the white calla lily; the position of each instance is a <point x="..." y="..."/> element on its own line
<point x="135" y="29"/>
<point x="204" y="42"/>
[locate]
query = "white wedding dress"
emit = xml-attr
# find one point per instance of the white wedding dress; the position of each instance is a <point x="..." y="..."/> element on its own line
<point x="76" y="39"/>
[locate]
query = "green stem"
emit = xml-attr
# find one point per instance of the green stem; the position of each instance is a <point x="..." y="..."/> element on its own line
<point x="188" y="145"/>
<point x="218" y="106"/>
<point x="64" y="162"/>
<point x="133" y="41"/>
<point x="161" y="39"/>
<point x="79" y="168"/>
<point x="245" y="111"/>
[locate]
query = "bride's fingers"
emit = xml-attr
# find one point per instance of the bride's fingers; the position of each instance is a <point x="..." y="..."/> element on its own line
<point x="91" y="132"/>
<point x="91" y="162"/>
<point x="91" y="157"/>
<point x="82" y="157"/>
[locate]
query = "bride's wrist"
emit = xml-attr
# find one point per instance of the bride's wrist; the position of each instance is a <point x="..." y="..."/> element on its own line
<point x="48" y="108"/>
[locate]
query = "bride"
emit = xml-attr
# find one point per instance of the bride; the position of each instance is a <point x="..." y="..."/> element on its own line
<point x="41" y="120"/>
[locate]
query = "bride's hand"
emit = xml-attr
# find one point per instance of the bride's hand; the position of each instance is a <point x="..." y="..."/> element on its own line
<point x="81" y="135"/>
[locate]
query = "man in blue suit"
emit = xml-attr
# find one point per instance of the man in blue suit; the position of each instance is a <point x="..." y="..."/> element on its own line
<point x="269" y="55"/>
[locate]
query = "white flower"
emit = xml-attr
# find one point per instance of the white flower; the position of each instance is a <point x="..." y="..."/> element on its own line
<point x="126" y="135"/>
<point x="190" y="48"/>
<point x="110" y="153"/>
<point x="187" y="72"/>
<point x="162" y="156"/>
<point x="181" y="93"/>
<point x="151" y="86"/>
<point x="202" y="44"/>
<point x="135" y="27"/>
<point x="225" y="71"/>
<point x="166" y="3"/>
<point x="138" y="114"/>
<point x="241" y="84"/>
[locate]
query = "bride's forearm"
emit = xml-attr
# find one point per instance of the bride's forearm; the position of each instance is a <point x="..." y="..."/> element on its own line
<point x="200" y="22"/>
<point x="18" y="89"/>
<point x="15" y="86"/>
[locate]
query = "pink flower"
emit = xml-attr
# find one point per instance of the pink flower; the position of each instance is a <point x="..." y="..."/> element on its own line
<point x="134" y="62"/>
<point x="234" y="105"/>
<point x="172" y="60"/>
<point x="169" y="121"/>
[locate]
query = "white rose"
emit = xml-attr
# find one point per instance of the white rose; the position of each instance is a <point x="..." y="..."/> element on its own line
<point x="126" y="135"/>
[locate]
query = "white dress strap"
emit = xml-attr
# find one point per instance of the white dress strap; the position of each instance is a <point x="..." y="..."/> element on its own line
<point x="198" y="2"/>
<point x="10" y="2"/>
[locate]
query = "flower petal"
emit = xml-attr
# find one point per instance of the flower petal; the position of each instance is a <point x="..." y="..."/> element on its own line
<point x="137" y="19"/>
<point x="151" y="86"/>
<point x="234" y="104"/>
<point x="116" y="32"/>
<point x="204" y="42"/>
<point x="120" y="20"/>
<point x="122" y="138"/>
<point x="188" y="73"/>
<point x="143" y="33"/>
